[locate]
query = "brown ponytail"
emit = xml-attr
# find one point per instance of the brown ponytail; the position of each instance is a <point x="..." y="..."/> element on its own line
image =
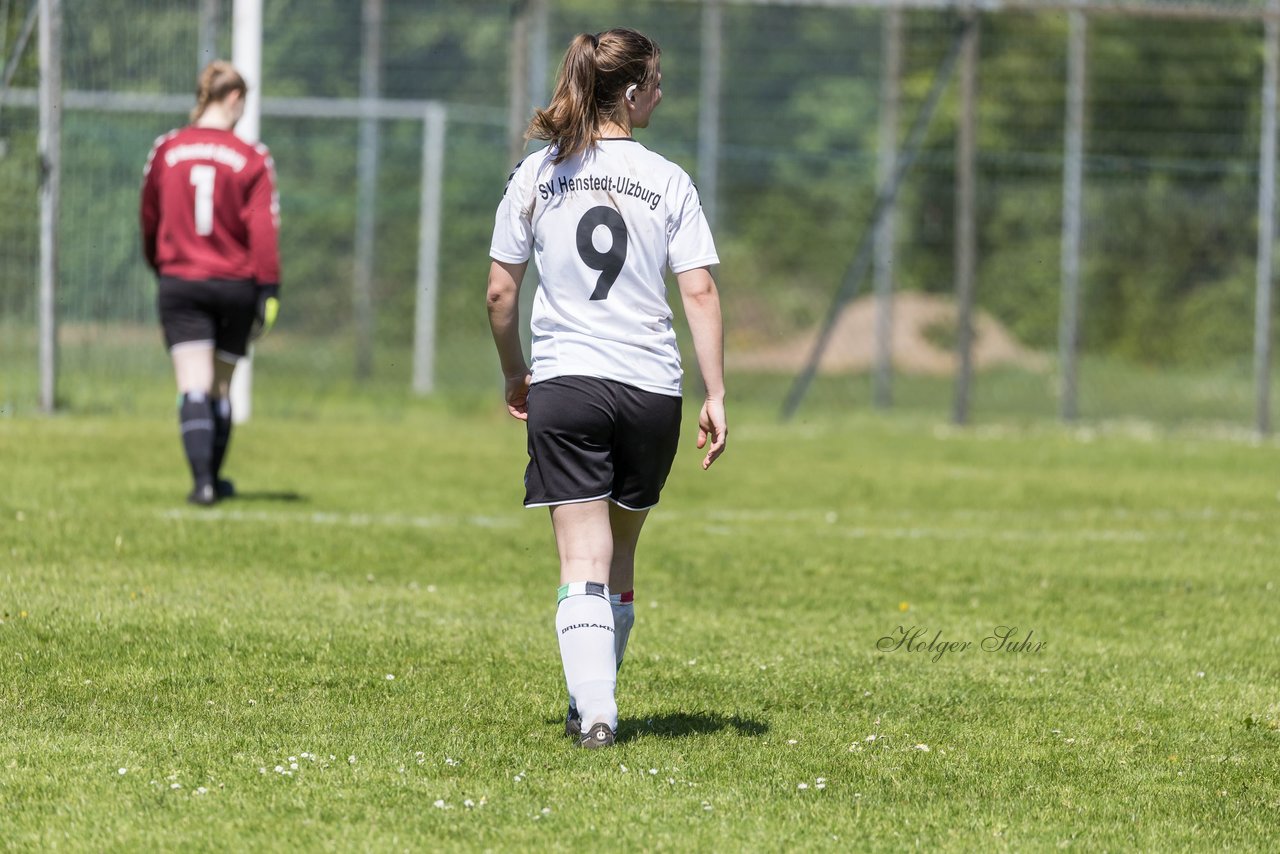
<point x="218" y="80"/>
<point x="589" y="88"/>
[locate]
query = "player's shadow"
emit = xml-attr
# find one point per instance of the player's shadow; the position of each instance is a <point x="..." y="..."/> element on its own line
<point x="287" y="496"/>
<point x="684" y="724"/>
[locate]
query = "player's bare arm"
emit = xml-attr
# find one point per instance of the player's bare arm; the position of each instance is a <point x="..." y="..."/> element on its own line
<point x="702" y="308"/>
<point x="503" y="303"/>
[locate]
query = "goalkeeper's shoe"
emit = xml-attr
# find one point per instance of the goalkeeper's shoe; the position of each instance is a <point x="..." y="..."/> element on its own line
<point x="598" y="736"/>
<point x="225" y="488"/>
<point x="205" y="495"/>
<point x="573" y="722"/>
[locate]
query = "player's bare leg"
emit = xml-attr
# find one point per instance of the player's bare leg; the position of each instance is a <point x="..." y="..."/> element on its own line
<point x="584" y="540"/>
<point x="584" y="616"/>
<point x="624" y="530"/>
<point x="625" y="526"/>
<point x="193" y="366"/>
<point x="194" y="372"/>
<point x="224" y="366"/>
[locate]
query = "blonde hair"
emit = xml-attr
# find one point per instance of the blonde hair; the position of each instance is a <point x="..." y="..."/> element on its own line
<point x="591" y="85"/>
<point x="218" y="80"/>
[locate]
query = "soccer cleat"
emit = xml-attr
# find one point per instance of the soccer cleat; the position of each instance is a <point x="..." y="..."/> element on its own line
<point x="225" y="488"/>
<point x="598" y="736"/>
<point x="205" y="496"/>
<point x="573" y="722"/>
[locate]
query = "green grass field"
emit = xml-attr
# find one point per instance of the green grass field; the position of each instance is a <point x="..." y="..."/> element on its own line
<point x="163" y="669"/>
<point x="121" y="370"/>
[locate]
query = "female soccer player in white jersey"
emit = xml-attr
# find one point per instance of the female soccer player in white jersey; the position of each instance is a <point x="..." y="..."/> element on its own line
<point x="603" y="218"/>
<point x="209" y="216"/>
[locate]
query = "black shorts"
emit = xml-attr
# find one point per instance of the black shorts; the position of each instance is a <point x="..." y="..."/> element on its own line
<point x="592" y="438"/>
<point x="214" y="312"/>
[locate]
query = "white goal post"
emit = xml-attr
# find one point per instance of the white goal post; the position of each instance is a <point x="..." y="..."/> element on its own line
<point x="246" y="56"/>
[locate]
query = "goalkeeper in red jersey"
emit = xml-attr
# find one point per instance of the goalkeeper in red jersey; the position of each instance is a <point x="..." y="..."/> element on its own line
<point x="210" y="219"/>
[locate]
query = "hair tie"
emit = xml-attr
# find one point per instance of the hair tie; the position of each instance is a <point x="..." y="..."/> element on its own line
<point x="595" y="41"/>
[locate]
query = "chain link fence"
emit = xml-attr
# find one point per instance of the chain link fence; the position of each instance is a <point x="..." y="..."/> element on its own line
<point x="1172" y="123"/>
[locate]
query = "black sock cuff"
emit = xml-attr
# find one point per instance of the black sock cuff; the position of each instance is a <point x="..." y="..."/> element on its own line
<point x="196" y="408"/>
<point x="196" y="421"/>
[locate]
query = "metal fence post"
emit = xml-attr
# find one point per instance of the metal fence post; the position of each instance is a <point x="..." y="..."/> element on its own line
<point x="1266" y="225"/>
<point x="518" y="81"/>
<point x="50" y="144"/>
<point x="1072" y="180"/>
<point x="965" y="237"/>
<point x="539" y="49"/>
<point x="367" y="186"/>
<point x="207" y="50"/>
<point x="890" y="93"/>
<point x="429" y="223"/>
<point x="709" y="108"/>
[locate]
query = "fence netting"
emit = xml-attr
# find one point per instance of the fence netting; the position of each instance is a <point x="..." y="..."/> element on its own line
<point x="1173" y="117"/>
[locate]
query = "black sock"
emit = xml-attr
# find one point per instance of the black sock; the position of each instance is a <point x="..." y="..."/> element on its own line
<point x="221" y="432"/>
<point x="195" y="414"/>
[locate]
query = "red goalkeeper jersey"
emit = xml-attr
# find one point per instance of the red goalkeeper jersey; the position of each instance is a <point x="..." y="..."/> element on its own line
<point x="210" y="209"/>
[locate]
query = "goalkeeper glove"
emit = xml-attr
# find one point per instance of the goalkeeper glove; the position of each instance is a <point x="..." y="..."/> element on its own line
<point x="268" y="308"/>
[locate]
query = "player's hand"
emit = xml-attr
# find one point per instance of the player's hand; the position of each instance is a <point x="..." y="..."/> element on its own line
<point x="268" y="309"/>
<point x="517" y="392"/>
<point x="712" y="425"/>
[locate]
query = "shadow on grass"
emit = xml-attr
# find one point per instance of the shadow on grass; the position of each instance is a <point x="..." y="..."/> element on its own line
<point x="289" y="496"/>
<point x="682" y="725"/>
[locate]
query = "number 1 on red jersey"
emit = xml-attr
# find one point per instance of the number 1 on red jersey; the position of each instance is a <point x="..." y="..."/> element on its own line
<point x="202" y="176"/>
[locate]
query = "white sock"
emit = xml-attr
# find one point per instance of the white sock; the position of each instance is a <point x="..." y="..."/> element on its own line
<point x="624" y="617"/>
<point x="584" y="625"/>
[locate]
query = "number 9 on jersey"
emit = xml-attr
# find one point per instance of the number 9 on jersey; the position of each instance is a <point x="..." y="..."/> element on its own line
<point x="609" y="262"/>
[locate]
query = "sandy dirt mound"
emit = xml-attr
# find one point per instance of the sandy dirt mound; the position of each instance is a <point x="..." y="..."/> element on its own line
<point x="851" y="348"/>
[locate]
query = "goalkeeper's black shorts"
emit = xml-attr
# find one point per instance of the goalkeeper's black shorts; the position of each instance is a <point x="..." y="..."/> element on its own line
<point x="592" y="438"/>
<point x="216" y="313"/>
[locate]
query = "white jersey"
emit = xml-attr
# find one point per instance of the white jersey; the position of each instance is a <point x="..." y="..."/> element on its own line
<point x="603" y="227"/>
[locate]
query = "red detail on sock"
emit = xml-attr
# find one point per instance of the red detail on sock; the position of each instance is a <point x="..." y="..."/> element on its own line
<point x="627" y="598"/>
